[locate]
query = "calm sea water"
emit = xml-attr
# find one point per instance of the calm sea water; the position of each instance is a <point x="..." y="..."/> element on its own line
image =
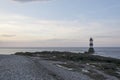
<point x="104" y="51"/>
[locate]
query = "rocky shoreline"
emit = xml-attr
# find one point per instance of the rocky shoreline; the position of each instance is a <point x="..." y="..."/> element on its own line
<point x="16" y="67"/>
<point x="58" y="66"/>
<point x="93" y="66"/>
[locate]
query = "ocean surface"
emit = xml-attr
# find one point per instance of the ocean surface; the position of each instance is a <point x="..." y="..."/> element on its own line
<point x="103" y="51"/>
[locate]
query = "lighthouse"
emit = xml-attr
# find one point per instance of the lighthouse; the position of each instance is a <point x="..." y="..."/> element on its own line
<point x="91" y="48"/>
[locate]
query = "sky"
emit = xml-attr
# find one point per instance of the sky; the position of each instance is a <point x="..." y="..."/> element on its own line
<point x="59" y="23"/>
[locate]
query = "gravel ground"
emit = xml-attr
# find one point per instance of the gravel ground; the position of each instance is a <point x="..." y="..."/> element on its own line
<point x="14" y="67"/>
<point x="61" y="72"/>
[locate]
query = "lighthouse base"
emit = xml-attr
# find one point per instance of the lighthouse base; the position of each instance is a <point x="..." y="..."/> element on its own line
<point x="91" y="50"/>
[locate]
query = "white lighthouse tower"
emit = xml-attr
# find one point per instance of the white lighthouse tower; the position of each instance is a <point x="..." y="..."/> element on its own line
<point x="91" y="49"/>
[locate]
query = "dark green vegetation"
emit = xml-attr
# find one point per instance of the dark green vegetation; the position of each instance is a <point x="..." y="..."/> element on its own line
<point x="79" y="61"/>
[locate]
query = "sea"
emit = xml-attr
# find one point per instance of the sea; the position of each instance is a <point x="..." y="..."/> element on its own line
<point x="113" y="52"/>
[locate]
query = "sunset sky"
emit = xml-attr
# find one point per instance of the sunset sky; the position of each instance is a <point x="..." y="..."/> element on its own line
<point x="59" y="23"/>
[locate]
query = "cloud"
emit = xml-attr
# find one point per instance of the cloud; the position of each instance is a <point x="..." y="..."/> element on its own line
<point x="37" y="32"/>
<point x="104" y="36"/>
<point x="8" y="35"/>
<point x="30" y="0"/>
<point x="30" y="29"/>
